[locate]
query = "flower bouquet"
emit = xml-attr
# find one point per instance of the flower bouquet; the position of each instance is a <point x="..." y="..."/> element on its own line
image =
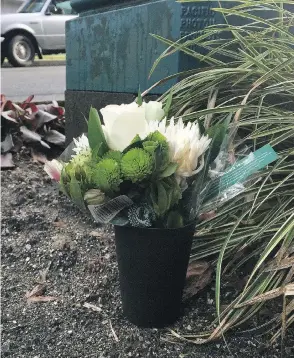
<point x="148" y="176"/>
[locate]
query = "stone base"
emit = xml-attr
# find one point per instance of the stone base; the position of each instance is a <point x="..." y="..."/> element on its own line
<point x="78" y="104"/>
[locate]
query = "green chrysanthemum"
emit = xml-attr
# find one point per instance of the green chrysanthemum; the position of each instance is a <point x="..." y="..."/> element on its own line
<point x="136" y="165"/>
<point x="106" y="176"/>
<point x="81" y="159"/>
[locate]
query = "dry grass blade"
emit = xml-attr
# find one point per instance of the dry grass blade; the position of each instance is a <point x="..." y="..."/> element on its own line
<point x="113" y="332"/>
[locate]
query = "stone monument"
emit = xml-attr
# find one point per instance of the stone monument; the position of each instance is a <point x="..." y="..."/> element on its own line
<point x="110" y="50"/>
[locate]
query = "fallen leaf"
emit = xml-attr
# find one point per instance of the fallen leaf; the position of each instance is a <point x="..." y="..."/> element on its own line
<point x="92" y="307"/>
<point x="198" y="276"/>
<point x="95" y="234"/>
<point x="6" y="161"/>
<point x="38" y="157"/>
<point x="36" y="291"/>
<point x="59" y="224"/>
<point x="42" y="299"/>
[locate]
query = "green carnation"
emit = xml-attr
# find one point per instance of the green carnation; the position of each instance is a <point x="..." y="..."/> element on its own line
<point x="106" y="176"/>
<point x="137" y="164"/>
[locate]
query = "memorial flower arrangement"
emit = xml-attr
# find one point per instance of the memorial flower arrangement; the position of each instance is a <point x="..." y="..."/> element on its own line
<point x="149" y="175"/>
<point x="140" y="168"/>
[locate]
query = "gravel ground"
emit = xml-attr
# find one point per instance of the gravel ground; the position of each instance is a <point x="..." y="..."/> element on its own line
<point x="45" y="239"/>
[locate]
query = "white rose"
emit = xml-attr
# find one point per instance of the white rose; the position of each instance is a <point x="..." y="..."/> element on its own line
<point x="153" y="111"/>
<point x="123" y="122"/>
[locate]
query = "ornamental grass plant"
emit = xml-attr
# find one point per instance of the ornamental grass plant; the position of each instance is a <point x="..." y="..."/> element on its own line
<point x="248" y="74"/>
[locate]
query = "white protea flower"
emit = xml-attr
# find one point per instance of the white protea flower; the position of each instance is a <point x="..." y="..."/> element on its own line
<point x="186" y="145"/>
<point x="81" y="145"/>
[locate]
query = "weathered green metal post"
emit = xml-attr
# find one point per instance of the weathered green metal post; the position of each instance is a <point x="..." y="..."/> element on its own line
<point x="110" y="50"/>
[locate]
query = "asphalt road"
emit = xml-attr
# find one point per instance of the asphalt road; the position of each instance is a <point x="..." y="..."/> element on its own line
<point x="46" y="83"/>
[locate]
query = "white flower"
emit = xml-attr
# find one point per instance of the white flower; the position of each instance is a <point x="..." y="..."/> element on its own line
<point x="81" y="145"/>
<point x="53" y="168"/>
<point x="153" y="111"/>
<point x="123" y="122"/>
<point x="186" y="145"/>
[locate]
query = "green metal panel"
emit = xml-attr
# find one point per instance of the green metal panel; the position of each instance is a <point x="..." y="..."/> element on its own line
<point x="112" y="51"/>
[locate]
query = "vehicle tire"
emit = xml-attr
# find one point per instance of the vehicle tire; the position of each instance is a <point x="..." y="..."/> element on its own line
<point x="20" y="51"/>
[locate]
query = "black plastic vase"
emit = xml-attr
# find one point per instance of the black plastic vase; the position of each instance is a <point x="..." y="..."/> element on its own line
<point x="152" y="267"/>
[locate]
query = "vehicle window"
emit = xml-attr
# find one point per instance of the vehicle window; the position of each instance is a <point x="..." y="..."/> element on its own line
<point x="33" y="6"/>
<point x="60" y="7"/>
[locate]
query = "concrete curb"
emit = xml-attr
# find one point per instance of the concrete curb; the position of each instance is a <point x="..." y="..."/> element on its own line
<point x="39" y="63"/>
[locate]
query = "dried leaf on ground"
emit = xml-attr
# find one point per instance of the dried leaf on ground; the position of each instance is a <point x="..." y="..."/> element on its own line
<point x="42" y="299"/>
<point x="36" y="291"/>
<point x="6" y="161"/>
<point x="92" y="307"/>
<point x="95" y="234"/>
<point x="38" y="157"/>
<point x="59" y="223"/>
<point x="198" y="276"/>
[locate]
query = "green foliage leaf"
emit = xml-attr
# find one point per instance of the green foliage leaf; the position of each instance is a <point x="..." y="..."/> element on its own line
<point x="139" y="99"/>
<point x="96" y="136"/>
<point x="168" y="103"/>
<point x="174" y="220"/>
<point x="150" y="146"/>
<point x="113" y="154"/>
<point x="63" y="186"/>
<point x="218" y="134"/>
<point x="170" y="170"/>
<point x="201" y="127"/>
<point x="76" y="193"/>
<point x="135" y="144"/>
<point x="136" y="139"/>
<point x="162" y="199"/>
